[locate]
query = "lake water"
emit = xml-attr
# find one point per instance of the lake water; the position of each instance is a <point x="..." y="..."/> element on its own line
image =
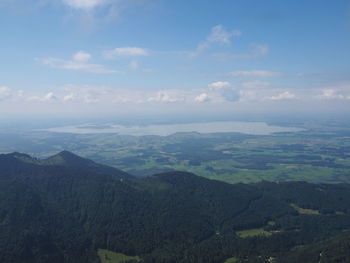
<point x="254" y="128"/>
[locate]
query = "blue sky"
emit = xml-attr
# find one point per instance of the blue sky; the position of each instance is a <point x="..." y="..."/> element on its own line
<point x="123" y="56"/>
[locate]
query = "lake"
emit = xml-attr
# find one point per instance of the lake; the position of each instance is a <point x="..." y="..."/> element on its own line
<point x="254" y="128"/>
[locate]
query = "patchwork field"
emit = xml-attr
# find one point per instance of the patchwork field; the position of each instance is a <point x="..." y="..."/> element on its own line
<point x="318" y="154"/>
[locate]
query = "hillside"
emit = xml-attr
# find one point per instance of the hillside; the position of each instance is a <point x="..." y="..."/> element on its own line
<point x="65" y="208"/>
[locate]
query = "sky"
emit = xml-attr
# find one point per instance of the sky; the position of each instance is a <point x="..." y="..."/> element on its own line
<point x="117" y="57"/>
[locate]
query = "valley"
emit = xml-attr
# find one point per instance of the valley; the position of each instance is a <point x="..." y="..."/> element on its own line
<point x="318" y="154"/>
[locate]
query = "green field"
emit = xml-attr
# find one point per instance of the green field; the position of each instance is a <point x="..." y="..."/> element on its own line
<point x="231" y="260"/>
<point x="320" y="154"/>
<point x="253" y="232"/>
<point x="304" y="211"/>
<point x="107" y="256"/>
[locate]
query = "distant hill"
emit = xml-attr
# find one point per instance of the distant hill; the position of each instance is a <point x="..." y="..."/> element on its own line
<point x="65" y="208"/>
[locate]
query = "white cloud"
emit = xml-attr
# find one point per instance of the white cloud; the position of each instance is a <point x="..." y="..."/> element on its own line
<point x="162" y="96"/>
<point x="49" y="97"/>
<point x="254" y="73"/>
<point x="88" y="98"/>
<point x="86" y="4"/>
<point x="248" y="95"/>
<point x="330" y="94"/>
<point x="256" y="84"/>
<point x="258" y="50"/>
<point x="78" y="63"/>
<point x="125" y="52"/>
<point x="121" y="99"/>
<point x="134" y="65"/>
<point x="5" y="93"/>
<point x="219" y="85"/>
<point x="283" y="96"/>
<point x="69" y="97"/>
<point x="20" y="93"/>
<point x="340" y="91"/>
<point x="218" y="35"/>
<point x="91" y="15"/>
<point x="231" y="95"/>
<point x="82" y="56"/>
<point x="221" y="91"/>
<point x="203" y="97"/>
<point x="87" y="94"/>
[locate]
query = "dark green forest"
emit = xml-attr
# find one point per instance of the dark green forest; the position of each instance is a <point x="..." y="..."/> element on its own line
<point x="65" y="208"/>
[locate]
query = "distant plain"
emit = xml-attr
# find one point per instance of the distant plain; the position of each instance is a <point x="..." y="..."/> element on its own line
<point x="243" y="152"/>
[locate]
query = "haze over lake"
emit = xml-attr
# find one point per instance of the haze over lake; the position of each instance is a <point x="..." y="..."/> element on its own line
<point x="254" y="128"/>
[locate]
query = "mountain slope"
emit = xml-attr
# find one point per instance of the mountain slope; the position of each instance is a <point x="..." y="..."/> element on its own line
<point x="64" y="208"/>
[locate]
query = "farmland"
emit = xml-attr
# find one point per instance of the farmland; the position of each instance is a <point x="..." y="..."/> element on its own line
<point x="317" y="154"/>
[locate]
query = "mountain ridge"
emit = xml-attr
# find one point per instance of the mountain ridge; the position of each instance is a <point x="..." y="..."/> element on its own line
<point x="65" y="212"/>
<point x="66" y="159"/>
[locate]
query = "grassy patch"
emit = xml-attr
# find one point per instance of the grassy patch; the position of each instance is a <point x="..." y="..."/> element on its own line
<point x="304" y="211"/>
<point x="271" y="223"/>
<point x="339" y="213"/>
<point x="107" y="256"/>
<point x="231" y="260"/>
<point x="253" y="232"/>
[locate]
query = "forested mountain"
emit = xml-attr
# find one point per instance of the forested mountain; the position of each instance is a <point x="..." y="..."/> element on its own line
<point x="65" y="208"/>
